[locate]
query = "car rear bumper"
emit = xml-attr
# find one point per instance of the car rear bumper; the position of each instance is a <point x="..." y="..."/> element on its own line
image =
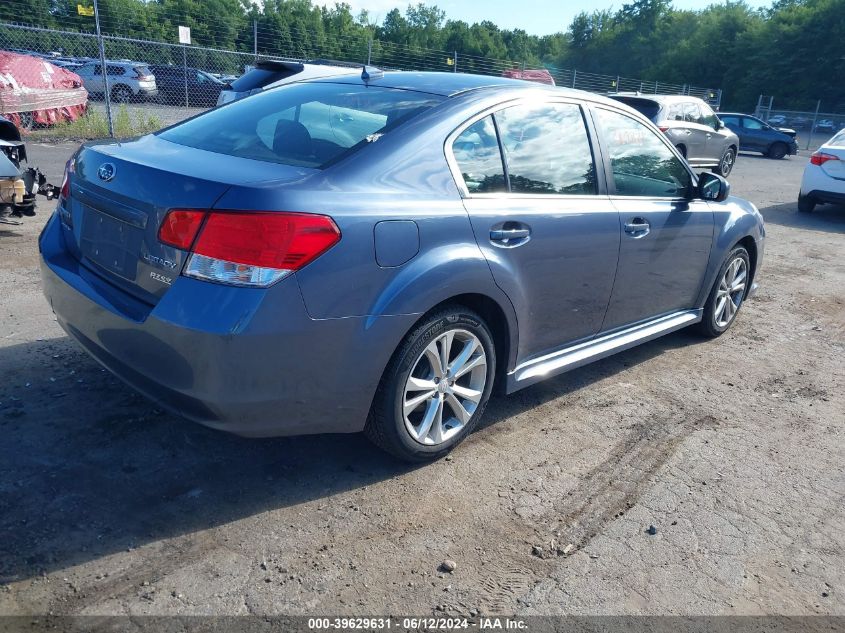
<point x="247" y="361"/>
<point x="147" y="92"/>
<point x="829" y="197"/>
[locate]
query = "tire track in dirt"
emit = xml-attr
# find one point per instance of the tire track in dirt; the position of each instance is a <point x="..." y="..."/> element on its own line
<point x="605" y="493"/>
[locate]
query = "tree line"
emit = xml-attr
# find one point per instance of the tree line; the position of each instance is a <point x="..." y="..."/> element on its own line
<point x="790" y="50"/>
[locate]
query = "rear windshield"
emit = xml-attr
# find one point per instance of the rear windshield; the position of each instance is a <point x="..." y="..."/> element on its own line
<point x="305" y="124"/>
<point x="646" y="107"/>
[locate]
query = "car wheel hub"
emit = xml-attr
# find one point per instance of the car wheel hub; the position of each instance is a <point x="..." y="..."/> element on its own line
<point x="731" y="292"/>
<point x="444" y="387"/>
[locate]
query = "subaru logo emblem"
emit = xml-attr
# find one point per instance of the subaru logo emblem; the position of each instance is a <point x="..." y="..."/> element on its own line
<point x="106" y="171"/>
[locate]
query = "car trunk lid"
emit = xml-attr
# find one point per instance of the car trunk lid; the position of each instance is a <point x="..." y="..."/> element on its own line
<point x="120" y="193"/>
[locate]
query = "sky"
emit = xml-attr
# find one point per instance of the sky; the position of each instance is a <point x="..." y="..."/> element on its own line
<point x="537" y="17"/>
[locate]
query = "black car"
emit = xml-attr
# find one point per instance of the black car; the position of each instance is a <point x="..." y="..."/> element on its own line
<point x="758" y="136"/>
<point x="178" y="85"/>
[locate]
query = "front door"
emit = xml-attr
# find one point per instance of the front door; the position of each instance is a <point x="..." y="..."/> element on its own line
<point x="665" y="234"/>
<point x="551" y="239"/>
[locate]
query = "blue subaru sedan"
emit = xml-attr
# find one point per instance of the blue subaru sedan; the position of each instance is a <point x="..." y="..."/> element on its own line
<point x="377" y="253"/>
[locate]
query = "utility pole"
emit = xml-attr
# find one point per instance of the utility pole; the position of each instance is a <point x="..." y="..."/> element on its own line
<point x="103" y="69"/>
<point x="255" y="39"/>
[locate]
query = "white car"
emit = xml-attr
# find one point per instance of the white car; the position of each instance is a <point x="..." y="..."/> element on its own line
<point x="824" y="176"/>
<point x="271" y="73"/>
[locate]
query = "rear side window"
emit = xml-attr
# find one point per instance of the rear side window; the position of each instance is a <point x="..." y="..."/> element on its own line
<point x="731" y="121"/>
<point x="641" y="162"/>
<point x="116" y="71"/>
<point x="307" y="124"/>
<point x="477" y="153"/>
<point x="547" y="149"/>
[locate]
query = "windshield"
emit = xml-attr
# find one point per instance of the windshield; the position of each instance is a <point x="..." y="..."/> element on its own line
<point x="306" y="124"/>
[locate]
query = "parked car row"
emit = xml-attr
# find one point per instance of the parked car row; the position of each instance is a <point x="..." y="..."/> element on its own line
<point x="805" y="123"/>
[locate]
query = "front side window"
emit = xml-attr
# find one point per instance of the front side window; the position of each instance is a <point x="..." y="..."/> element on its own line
<point x="547" y="149"/>
<point x="307" y="124"/>
<point x="708" y="117"/>
<point x="753" y="124"/>
<point x="477" y="154"/>
<point x="691" y="113"/>
<point x="641" y="163"/>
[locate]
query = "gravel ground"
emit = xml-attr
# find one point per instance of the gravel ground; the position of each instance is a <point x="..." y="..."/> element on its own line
<point x="732" y="449"/>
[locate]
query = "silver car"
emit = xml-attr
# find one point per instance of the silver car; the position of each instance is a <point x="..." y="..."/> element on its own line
<point x="692" y="126"/>
<point x="127" y="80"/>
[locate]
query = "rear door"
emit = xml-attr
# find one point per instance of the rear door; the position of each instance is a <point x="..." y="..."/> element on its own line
<point x="541" y="218"/>
<point x="665" y="236"/>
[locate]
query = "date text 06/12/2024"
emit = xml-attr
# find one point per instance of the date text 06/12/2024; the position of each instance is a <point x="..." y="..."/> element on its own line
<point x="416" y="624"/>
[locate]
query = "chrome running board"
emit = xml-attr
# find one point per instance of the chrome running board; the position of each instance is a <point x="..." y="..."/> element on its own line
<point x="568" y="358"/>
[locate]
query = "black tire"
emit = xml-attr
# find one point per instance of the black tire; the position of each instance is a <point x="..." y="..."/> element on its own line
<point x="121" y="94"/>
<point x="778" y="150"/>
<point x="709" y="325"/>
<point x="726" y="164"/>
<point x="386" y="424"/>
<point x="806" y="204"/>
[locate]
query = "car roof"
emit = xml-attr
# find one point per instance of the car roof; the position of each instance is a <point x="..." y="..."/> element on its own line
<point x="451" y="84"/>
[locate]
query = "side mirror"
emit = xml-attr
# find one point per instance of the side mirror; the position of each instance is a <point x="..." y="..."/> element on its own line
<point x="713" y="187"/>
<point x="720" y="125"/>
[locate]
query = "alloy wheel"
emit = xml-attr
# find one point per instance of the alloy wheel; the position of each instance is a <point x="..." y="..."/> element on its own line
<point x="727" y="163"/>
<point x="444" y="387"/>
<point x="731" y="292"/>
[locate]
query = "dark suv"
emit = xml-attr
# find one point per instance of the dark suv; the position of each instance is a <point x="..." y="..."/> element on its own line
<point x="691" y="126"/>
<point x="757" y="136"/>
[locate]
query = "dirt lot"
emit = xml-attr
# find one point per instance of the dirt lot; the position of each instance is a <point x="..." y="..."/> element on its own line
<point x="733" y="449"/>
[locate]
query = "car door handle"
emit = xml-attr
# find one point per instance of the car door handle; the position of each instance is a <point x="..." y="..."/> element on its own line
<point x="638" y="227"/>
<point x="509" y="234"/>
<point x="709" y="135"/>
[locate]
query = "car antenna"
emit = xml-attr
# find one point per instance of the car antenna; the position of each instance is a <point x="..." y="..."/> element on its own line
<point x="371" y="72"/>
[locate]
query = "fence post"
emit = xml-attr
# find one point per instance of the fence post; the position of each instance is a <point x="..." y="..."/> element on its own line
<point x="185" y="70"/>
<point x="813" y="124"/>
<point x="574" y="75"/>
<point x="455" y="58"/>
<point x="103" y="69"/>
<point x="369" y="51"/>
<point x="255" y="39"/>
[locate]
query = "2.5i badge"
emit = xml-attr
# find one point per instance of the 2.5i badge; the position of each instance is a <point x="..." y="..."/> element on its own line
<point x="161" y="278"/>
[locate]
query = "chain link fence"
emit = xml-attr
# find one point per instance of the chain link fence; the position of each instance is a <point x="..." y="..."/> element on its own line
<point x="149" y="84"/>
<point x="814" y="127"/>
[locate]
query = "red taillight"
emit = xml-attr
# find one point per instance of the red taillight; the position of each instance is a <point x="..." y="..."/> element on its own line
<point x="662" y="128"/>
<point x="180" y="227"/>
<point x="820" y="158"/>
<point x="247" y="248"/>
<point x="70" y="168"/>
<point x="268" y="240"/>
